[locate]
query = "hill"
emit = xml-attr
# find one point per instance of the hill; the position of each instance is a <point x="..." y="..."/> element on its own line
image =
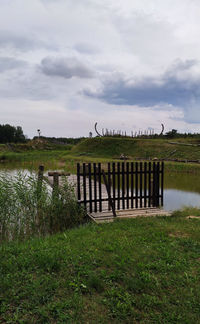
<point x="111" y="147"/>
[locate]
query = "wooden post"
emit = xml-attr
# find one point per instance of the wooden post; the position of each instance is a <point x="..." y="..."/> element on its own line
<point x="152" y="193"/>
<point x="109" y="195"/>
<point x="39" y="192"/>
<point x="78" y="182"/>
<point x="40" y="179"/>
<point x="154" y="184"/>
<point x="162" y="182"/>
<point x="55" y="185"/>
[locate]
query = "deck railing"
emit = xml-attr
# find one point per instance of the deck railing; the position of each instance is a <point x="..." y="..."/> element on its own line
<point x="127" y="184"/>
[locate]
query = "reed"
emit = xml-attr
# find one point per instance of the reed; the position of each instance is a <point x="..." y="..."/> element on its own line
<point x="27" y="209"/>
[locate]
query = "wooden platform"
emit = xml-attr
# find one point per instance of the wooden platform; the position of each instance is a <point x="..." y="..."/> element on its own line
<point x="107" y="216"/>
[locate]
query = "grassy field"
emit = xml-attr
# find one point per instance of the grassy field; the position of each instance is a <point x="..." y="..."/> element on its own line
<point x="130" y="271"/>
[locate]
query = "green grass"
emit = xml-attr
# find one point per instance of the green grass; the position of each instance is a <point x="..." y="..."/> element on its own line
<point x="142" y="148"/>
<point x="103" y="150"/>
<point x="144" y="270"/>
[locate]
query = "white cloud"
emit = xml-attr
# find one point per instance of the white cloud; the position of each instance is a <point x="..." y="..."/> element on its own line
<point x="51" y="50"/>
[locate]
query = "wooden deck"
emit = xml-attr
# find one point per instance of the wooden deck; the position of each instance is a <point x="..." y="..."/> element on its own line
<point x="106" y="215"/>
<point x="127" y="213"/>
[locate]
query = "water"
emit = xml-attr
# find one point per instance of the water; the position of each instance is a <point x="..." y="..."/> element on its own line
<point x="177" y="199"/>
<point x="180" y="189"/>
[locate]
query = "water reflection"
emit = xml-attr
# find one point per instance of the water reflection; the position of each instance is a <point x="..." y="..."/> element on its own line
<point x="177" y="199"/>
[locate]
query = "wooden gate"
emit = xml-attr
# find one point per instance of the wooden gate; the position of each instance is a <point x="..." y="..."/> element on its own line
<point x="120" y="185"/>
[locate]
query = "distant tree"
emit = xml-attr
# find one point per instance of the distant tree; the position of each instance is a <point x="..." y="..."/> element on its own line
<point x="171" y="134"/>
<point x="11" y="134"/>
<point x="19" y="135"/>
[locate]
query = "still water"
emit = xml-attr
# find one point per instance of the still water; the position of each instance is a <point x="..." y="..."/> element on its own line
<point x="180" y="189"/>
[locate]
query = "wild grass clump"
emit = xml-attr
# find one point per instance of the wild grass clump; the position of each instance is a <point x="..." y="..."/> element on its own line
<point x="28" y="208"/>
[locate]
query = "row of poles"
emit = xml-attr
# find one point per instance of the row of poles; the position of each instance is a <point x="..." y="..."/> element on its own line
<point x="107" y="132"/>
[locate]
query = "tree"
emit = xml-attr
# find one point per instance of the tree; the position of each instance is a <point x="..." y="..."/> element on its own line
<point x="11" y="134"/>
<point x="171" y="134"/>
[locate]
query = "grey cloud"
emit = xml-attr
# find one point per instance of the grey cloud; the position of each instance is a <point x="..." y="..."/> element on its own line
<point x="86" y="48"/>
<point x="65" y="68"/>
<point x="21" y="42"/>
<point x="178" y="86"/>
<point x="8" y="63"/>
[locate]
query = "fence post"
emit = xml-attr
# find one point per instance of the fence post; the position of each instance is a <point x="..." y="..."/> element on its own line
<point x="55" y="195"/>
<point x="39" y="192"/>
<point x="55" y="185"/>
<point x="40" y="179"/>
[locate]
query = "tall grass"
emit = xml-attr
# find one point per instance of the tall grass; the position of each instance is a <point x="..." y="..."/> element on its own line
<point x="27" y="209"/>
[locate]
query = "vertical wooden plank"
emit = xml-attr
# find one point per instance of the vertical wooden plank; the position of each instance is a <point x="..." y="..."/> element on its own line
<point x="154" y="184"/>
<point x="95" y="187"/>
<point x="113" y="182"/>
<point x="162" y="182"/>
<point x="90" y="186"/>
<point x="158" y="185"/>
<point x="123" y="186"/>
<point x="136" y="185"/>
<point x="99" y="178"/>
<point x="84" y="186"/>
<point x="149" y="186"/>
<point x="141" y="177"/>
<point x="118" y="185"/>
<point x="109" y="185"/>
<point x="145" y="184"/>
<point x="132" y="185"/>
<point x="78" y="182"/>
<point x="127" y="185"/>
<point x="109" y="195"/>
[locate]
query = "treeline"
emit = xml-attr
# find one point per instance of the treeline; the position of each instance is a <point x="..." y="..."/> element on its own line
<point x="175" y="134"/>
<point x="11" y="134"/>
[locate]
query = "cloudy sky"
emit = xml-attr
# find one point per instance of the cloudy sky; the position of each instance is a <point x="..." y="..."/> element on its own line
<point x="129" y="65"/>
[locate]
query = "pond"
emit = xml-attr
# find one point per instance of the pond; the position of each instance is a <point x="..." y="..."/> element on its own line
<point x="180" y="189"/>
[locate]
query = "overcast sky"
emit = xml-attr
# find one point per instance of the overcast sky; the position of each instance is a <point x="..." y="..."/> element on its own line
<point x="129" y="65"/>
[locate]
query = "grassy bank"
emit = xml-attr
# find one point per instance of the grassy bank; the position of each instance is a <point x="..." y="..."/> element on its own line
<point x="130" y="271"/>
<point x="103" y="150"/>
<point x="135" y="148"/>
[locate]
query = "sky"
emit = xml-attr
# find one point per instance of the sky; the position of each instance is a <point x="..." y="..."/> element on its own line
<point x="128" y="65"/>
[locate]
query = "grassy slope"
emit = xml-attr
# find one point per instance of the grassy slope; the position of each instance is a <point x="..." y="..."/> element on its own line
<point x="129" y="271"/>
<point x="143" y="148"/>
<point x="103" y="150"/>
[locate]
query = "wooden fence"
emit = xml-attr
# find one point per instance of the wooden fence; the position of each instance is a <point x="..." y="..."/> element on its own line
<point x="120" y="185"/>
